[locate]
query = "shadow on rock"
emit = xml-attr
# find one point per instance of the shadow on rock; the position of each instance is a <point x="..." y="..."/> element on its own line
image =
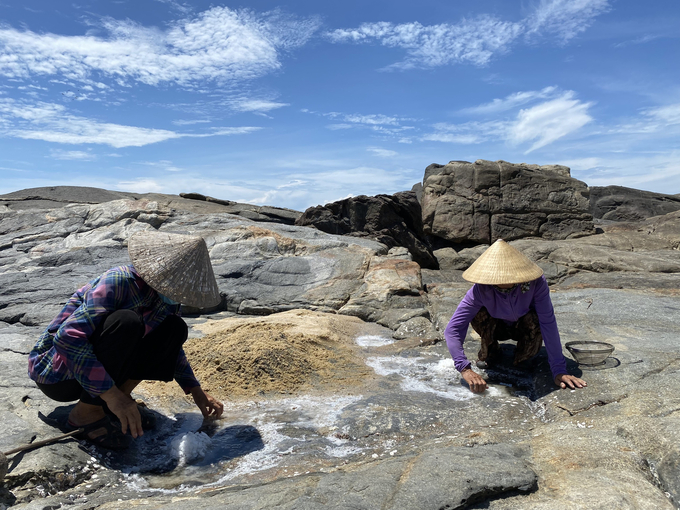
<point x="531" y="378"/>
<point x="157" y="451"/>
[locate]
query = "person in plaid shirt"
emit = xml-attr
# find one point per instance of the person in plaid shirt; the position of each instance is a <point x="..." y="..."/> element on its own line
<point x="124" y="327"/>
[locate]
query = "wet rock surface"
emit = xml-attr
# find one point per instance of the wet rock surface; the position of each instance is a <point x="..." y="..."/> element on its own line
<point x="410" y="436"/>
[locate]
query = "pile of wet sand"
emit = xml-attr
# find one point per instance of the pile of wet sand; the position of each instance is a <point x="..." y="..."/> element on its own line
<point x="282" y="354"/>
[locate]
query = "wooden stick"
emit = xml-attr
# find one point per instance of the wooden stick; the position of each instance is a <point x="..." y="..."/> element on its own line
<point x="44" y="442"/>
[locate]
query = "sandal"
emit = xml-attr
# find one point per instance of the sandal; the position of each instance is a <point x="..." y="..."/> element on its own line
<point x="148" y="416"/>
<point x="112" y="438"/>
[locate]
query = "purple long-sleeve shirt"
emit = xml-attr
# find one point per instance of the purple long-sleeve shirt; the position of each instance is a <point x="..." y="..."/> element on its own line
<point x="508" y="307"/>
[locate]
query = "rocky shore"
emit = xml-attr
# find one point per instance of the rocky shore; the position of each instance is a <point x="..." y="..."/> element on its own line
<point x="362" y="290"/>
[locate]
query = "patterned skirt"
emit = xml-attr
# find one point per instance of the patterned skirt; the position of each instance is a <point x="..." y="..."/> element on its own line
<point x="526" y="331"/>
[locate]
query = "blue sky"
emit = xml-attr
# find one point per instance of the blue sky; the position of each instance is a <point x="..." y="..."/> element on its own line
<point x="299" y="103"/>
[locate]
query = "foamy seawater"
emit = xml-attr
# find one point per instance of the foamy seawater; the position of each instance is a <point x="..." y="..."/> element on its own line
<point x="373" y="341"/>
<point x="419" y="374"/>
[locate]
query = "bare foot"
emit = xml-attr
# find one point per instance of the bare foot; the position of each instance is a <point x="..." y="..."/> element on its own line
<point x="84" y="414"/>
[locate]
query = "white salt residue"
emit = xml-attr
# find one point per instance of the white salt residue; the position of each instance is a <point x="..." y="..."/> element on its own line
<point x="342" y="451"/>
<point x="190" y="446"/>
<point x="373" y="341"/>
<point x="320" y="412"/>
<point x="439" y="378"/>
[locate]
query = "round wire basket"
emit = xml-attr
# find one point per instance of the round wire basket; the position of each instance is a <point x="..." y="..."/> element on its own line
<point x="589" y="353"/>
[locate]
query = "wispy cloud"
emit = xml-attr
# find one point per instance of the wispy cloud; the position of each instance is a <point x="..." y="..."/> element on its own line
<point x="183" y="8"/>
<point x="298" y="190"/>
<point x="564" y="19"/>
<point x="255" y="105"/>
<point x="662" y="120"/>
<point x="468" y="132"/>
<point x="72" y="155"/>
<point x="510" y="102"/>
<point x="541" y="124"/>
<point x="476" y="40"/>
<point x="549" y="121"/>
<point x="219" y="45"/>
<point x="382" y="153"/>
<point x="52" y="123"/>
<point x="181" y="122"/>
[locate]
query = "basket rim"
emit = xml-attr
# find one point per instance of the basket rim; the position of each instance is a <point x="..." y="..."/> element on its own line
<point x="573" y="346"/>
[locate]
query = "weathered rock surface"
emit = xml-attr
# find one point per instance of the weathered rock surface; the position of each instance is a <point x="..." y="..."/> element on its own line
<point x="394" y="220"/>
<point x="255" y="213"/>
<point x="483" y="201"/>
<point x="413" y="436"/>
<point x="58" y="196"/>
<point x="618" y="203"/>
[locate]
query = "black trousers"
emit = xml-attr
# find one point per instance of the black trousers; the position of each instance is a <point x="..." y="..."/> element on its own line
<point x="126" y="354"/>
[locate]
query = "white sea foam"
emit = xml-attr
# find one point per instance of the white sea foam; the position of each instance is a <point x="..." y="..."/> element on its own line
<point x="422" y="376"/>
<point x="373" y="341"/>
<point x="190" y="446"/>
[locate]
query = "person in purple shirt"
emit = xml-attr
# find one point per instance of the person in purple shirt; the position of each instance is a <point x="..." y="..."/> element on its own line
<point x="510" y="299"/>
<point x="124" y="327"/>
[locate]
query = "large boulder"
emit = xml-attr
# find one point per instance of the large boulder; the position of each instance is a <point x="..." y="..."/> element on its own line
<point x="394" y="220"/>
<point x="484" y="201"/>
<point x="618" y="203"/>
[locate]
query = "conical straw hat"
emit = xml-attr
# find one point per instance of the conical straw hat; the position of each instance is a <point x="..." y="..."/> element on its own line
<point x="502" y="264"/>
<point x="178" y="266"/>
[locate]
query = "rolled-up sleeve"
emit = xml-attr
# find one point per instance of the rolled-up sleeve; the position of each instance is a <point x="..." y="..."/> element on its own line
<point x="457" y="328"/>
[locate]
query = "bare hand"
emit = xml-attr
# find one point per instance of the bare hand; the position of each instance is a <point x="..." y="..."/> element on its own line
<point x="209" y="406"/>
<point x="125" y="408"/>
<point x="564" y="380"/>
<point x="475" y="381"/>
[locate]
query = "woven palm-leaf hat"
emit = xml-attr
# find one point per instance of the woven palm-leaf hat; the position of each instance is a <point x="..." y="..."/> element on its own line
<point x="175" y="265"/>
<point x="502" y="264"/>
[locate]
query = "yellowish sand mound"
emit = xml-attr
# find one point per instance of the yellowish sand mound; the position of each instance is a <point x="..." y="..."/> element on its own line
<point x="281" y="354"/>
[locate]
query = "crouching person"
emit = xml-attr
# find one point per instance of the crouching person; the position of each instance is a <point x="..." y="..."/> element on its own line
<point x="122" y="328"/>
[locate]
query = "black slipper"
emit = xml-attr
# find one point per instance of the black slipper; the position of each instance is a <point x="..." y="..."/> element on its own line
<point x="113" y="438"/>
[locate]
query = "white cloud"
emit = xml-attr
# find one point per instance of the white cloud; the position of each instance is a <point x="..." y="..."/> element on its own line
<point x="372" y="120"/>
<point x="335" y="127"/>
<point x="52" y="123"/>
<point x="510" y="102"/>
<point x="382" y="153"/>
<point x="666" y="115"/>
<point x="476" y="40"/>
<point x="468" y="132"/>
<point x="541" y="124"/>
<point x="218" y="45"/>
<point x="564" y="19"/>
<point x="255" y="105"/>
<point x="296" y="191"/>
<point x="181" y="122"/>
<point x="72" y="155"/>
<point x="659" y="173"/>
<point x="549" y="121"/>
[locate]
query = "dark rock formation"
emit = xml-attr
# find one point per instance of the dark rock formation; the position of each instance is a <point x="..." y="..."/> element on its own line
<point x="394" y="220"/>
<point x="484" y="201"/>
<point x="626" y="204"/>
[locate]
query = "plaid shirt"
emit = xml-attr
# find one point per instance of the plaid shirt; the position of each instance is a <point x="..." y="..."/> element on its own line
<point x="64" y="352"/>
